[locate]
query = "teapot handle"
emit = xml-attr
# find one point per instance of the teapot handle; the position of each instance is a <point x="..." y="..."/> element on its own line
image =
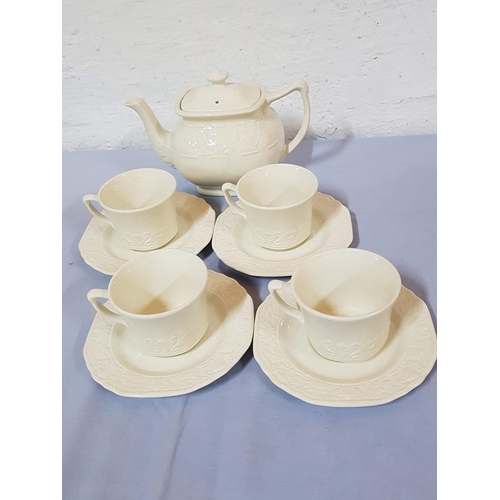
<point x="302" y="87"/>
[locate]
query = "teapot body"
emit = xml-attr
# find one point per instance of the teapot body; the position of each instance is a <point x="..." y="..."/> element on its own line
<point x="224" y="130"/>
<point x="211" y="151"/>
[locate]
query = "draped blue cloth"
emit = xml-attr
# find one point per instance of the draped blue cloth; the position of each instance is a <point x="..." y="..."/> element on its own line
<point x="242" y="437"/>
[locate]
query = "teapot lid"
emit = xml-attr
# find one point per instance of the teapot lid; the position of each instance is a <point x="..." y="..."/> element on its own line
<point x="220" y="98"/>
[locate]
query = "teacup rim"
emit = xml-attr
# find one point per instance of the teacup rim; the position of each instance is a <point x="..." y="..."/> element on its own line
<point x="346" y="319"/>
<point x="286" y="207"/>
<point x="142" y="209"/>
<point x="163" y="314"/>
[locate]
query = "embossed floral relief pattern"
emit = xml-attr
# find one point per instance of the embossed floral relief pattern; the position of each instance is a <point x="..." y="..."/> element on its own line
<point x="174" y="345"/>
<point x="279" y="239"/>
<point x="221" y="139"/>
<point x="415" y="362"/>
<point x="145" y="240"/>
<point x="353" y="352"/>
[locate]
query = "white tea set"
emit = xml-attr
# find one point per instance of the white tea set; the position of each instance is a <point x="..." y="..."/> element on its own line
<point x="342" y="332"/>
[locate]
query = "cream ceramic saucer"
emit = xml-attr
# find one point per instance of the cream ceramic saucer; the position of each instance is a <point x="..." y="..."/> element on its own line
<point x="103" y="249"/>
<point x="115" y="362"/>
<point x="234" y="245"/>
<point x="283" y="352"/>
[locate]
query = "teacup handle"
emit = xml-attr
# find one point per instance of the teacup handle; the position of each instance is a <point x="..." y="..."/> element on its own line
<point x="88" y="199"/>
<point x="95" y="294"/>
<point x="276" y="285"/>
<point x="226" y="187"/>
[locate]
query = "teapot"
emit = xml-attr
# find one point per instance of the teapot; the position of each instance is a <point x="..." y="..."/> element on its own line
<point x="224" y="131"/>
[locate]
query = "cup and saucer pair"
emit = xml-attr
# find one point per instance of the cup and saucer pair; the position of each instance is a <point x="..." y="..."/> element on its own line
<point x="279" y="220"/>
<point x="355" y="338"/>
<point x="130" y="363"/>
<point x="105" y="250"/>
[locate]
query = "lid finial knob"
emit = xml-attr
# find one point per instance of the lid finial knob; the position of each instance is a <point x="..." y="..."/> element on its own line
<point x="218" y="76"/>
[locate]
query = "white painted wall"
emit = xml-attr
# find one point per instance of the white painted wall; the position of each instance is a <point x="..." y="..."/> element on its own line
<point x="371" y="66"/>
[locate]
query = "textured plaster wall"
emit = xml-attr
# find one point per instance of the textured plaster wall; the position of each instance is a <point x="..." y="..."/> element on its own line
<point x="371" y="66"/>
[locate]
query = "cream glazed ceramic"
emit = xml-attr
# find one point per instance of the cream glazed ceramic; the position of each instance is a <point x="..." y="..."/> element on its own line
<point x="282" y="350"/>
<point x="139" y="205"/>
<point x="277" y="202"/>
<point x="234" y="243"/>
<point x="161" y="298"/>
<point x="105" y="250"/>
<point x="344" y="299"/>
<point x="224" y="130"/>
<point x="116" y="362"/>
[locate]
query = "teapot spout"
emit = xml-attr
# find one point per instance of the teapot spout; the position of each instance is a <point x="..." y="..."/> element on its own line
<point x="159" y="137"/>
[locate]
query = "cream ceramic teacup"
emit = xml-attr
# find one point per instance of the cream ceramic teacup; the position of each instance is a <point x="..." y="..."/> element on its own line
<point x="161" y="297"/>
<point x="277" y="202"/>
<point x="139" y="204"/>
<point x="344" y="298"/>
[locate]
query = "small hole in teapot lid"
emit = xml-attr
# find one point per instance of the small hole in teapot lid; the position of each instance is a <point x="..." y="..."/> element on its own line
<point x="219" y="97"/>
